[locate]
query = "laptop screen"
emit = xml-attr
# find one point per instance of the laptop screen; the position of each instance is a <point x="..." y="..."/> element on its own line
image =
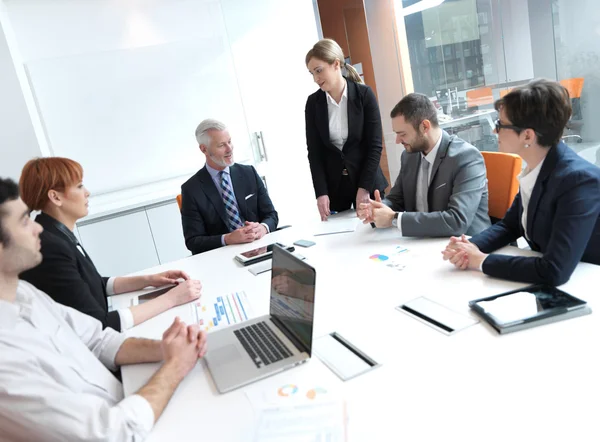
<point x="293" y="295"/>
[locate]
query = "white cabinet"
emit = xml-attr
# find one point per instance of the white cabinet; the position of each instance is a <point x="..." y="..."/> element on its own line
<point x="120" y="245"/>
<point x="167" y="232"/>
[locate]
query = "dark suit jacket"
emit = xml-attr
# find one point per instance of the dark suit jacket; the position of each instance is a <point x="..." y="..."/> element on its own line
<point x="457" y="195"/>
<point x="563" y="222"/>
<point x="203" y="212"/>
<point x="68" y="276"/>
<point x="360" y="154"/>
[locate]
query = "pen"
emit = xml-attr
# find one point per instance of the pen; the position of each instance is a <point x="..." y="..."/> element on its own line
<point x="332" y="212"/>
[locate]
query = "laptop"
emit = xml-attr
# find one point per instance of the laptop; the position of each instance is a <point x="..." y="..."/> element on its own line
<point x="264" y="346"/>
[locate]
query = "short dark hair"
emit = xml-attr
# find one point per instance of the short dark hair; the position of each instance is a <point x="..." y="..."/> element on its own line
<point x="541" y="105"/>
<point x="415" y="108"/>
<point x="9" y="191"/>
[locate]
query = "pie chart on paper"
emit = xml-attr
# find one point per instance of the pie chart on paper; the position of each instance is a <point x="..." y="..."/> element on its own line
<point x="287" y="390"/>
<point x="378" y="258"/>
<point x="313" y="393"/>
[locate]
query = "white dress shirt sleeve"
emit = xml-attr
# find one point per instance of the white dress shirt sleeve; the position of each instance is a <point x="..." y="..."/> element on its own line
<point x="481" y="265"/>
<point x="110" y="286"/>
<point x="266" y="227"/>
<point x="104" y="344"/>
<point x="126" y="318"/>
<point x="35" y="407"/>
<point x="400" y="223"/>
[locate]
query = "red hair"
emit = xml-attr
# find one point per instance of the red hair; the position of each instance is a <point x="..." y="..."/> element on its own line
<point x="41" y="175"/>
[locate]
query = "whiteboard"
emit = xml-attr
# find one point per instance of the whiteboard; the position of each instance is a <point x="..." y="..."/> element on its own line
<point x="129" y="115"/>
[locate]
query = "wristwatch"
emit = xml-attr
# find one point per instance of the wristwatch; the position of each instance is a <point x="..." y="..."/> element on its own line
<point x="395" y="220"/>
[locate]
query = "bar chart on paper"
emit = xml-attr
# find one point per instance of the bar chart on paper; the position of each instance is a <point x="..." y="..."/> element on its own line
<point x="221" y="311"/>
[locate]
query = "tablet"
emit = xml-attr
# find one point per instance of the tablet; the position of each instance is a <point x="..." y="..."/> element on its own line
<point x="259" y="254"/>
<point x="526" y="306"/>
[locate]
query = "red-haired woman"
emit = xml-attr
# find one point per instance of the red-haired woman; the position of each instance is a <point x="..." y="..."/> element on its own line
<point x="54" y="186"/>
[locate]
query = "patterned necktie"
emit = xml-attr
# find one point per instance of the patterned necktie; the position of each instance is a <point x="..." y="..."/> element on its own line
<point x="235" y="221"/>
<point x="422" y="187"/>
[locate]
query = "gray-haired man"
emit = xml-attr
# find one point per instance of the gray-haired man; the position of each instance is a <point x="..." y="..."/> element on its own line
<point x="224" y="203"/>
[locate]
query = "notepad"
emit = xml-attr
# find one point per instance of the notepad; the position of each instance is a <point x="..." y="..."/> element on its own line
<point x="333" y="226"/>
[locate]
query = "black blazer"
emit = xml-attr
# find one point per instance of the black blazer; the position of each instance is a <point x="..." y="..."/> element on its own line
<point x="360" y="154"/>
<point x="563" y="222"/>
<point x="203" y="212"/>
<point x="68" y="276"/>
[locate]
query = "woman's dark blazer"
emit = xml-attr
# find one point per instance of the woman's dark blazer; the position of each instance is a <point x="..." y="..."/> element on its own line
<point x="360" y="154"/>
<point x="68" y="276"/>
<point x="563" y="223"/>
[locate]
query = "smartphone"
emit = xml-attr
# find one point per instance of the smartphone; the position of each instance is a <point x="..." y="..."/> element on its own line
<point x="304" y="243"/>
<point x="259" y="254"/>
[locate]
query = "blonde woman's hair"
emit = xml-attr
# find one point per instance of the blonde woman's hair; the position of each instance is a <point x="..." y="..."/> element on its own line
<point x="329" y="51"/>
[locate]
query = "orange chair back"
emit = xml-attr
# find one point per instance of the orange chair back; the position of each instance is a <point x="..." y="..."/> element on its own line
<point x="480" y="97"/>
<point x="503" y="92"/>
<point x="574" y="86"/>
<point x="179" y="201"/>
<point x="502" y="170"/>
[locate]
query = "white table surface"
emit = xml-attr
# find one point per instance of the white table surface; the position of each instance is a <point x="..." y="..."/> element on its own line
<point x="538" y="384"/>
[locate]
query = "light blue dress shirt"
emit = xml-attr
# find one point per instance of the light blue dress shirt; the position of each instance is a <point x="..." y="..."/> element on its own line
<point x="214" y="174"/>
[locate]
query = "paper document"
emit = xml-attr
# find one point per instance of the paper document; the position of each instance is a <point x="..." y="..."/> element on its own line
<point x="221" y="311"/>
<point x="298" y="412"/>
<point x="333" y="226"/>
<point x="396" y="258"/>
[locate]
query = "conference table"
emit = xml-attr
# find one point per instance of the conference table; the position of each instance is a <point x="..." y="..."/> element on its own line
<point x="538" y="384"/>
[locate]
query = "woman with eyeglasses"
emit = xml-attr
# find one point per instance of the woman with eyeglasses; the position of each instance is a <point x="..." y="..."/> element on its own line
<point x="557" y="208"/>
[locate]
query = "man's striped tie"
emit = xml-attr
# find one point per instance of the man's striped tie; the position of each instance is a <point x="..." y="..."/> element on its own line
<point x="235" y="221"/>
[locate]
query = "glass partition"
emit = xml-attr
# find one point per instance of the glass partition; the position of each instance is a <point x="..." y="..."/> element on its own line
<point x="465" y="54"/>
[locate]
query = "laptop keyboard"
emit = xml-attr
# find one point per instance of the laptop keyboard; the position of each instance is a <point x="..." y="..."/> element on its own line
<point x="261" y="344"/>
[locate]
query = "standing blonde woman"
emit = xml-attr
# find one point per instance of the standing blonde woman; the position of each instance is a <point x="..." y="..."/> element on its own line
<point x="343" y="132"/>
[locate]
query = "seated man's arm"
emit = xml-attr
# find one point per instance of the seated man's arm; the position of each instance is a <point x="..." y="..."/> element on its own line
<point x="266" y="211"/>
<point x="469" y="184"/>
<point x="33" y="406"/>
<point x="197" y="240"/>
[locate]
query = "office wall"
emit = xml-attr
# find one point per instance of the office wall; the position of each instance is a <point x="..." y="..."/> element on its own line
<point x="126" y="83"/>
<point x="18" y="140"/>
<point x="385" y="54"/>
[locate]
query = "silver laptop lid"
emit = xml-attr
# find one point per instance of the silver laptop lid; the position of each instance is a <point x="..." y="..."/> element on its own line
<point x="293" y="295"/>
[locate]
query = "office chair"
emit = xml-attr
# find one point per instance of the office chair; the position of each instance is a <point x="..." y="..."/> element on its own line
<point x="502" y="170"/>
<point x="574" y="86"/>
<point x="480" y="97"/>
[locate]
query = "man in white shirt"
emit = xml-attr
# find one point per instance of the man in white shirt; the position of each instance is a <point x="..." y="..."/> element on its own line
<point x="55" y="383"/>
<point x="441" y="189"/>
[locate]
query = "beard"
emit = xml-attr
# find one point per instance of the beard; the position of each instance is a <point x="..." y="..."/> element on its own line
<point x="221" y="162"/>
<point x="419" y="144"/>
